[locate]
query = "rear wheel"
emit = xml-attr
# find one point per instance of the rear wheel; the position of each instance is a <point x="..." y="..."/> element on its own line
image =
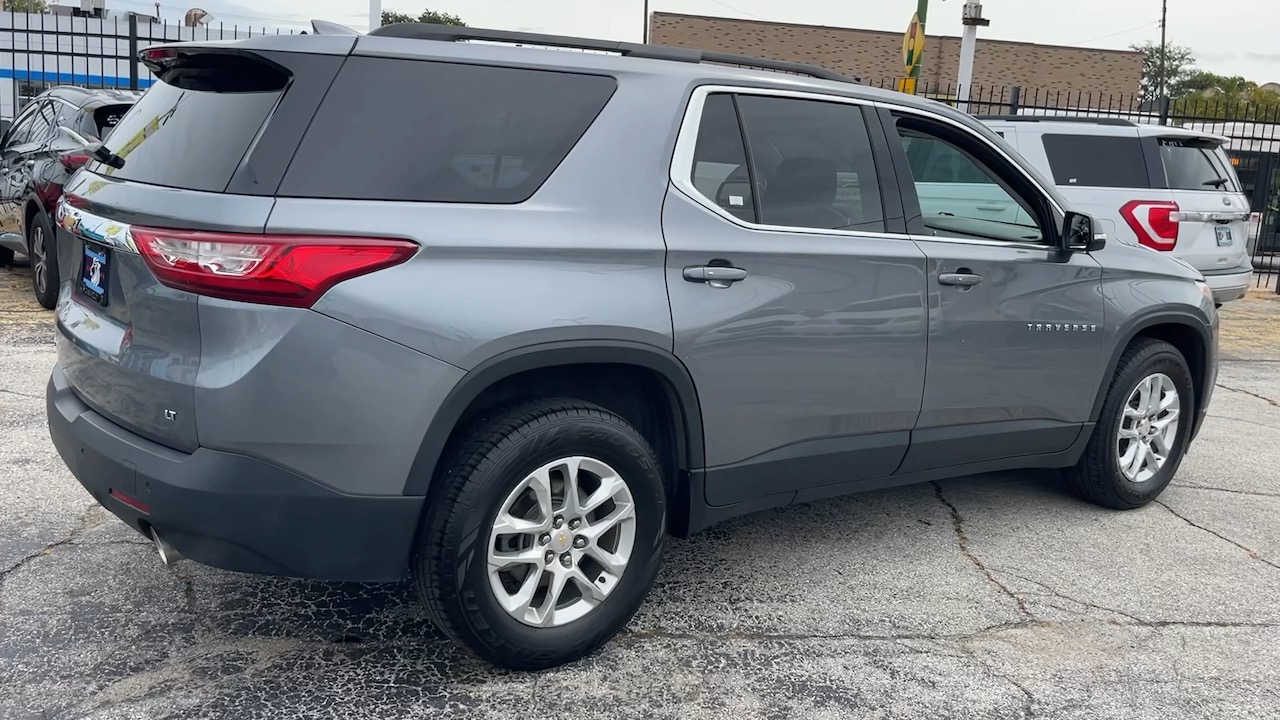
<point x="1143" y="431"/>
<point x="544" y="536"/>
<point x="44" y="260"/>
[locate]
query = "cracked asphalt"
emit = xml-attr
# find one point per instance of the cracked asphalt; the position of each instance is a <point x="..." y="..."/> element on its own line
<point x="987" y="597"/>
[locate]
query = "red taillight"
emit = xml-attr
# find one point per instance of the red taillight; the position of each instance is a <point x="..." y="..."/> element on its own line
<point x="1154" y="222"/>
<point x="285" y="270"/>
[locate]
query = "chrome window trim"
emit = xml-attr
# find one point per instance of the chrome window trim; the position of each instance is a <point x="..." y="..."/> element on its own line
<point x="681" y="171"/>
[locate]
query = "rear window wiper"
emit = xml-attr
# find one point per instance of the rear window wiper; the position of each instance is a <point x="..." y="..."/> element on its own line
<point x="109" y="158"/>
<point x="1219" y="183"/>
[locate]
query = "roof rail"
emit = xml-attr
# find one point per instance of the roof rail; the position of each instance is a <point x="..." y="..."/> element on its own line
<point x="453" y="33"/>
<point x="1121" y="122"/>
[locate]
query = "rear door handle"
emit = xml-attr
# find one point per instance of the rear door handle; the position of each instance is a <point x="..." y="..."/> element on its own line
<point x="960" y="279"/>
<point x="714" y="275"/>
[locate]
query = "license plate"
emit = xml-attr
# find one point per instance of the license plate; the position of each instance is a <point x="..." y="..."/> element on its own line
<point x="93" y="277"/>
<point x="1223" y="234"/>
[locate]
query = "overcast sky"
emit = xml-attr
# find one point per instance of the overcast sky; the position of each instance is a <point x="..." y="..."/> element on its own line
<point x="1234" y="37"/>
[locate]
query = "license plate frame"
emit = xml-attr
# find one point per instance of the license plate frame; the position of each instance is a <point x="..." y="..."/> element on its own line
<point x="1223" y="235"/>
<point x="95" y="273"/>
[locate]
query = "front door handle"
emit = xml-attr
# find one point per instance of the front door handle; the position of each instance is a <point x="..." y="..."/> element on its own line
<point x="714" y="275"/>
<point x="961" y="279"/>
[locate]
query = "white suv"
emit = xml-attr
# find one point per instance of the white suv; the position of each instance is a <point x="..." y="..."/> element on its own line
<point x="1170" y="189"/>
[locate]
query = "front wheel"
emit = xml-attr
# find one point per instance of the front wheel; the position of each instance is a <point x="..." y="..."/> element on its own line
<point x="1143" y="431"/>
<point x="544" y="536"/>
<point x="44" y="260"/>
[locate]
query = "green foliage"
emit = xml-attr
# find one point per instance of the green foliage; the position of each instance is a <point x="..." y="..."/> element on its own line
<point x="27" y="6"/>
<point x="428" y="16"/>
<point x="1178" y="67"/>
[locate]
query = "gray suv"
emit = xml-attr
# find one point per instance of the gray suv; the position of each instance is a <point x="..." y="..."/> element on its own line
<point x="499" y="318"/>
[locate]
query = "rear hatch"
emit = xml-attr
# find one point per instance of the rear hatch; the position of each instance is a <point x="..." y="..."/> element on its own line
<point x="1213" y="211"/>
<point x="200" y="155"/>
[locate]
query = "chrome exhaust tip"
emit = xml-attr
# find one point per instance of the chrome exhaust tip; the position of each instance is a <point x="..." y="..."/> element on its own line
<point x="168" y="555"/>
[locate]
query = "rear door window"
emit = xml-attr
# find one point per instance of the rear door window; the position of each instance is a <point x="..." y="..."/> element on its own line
<point x="1192" y="164"/>
<point x="720" y="159"/>
<point x="812" y="163"/>
<point x="1097" y="161"/>
<point x="442" y="132"/>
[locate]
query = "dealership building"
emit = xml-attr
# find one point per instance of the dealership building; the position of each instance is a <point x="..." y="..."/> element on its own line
<point x="876" y="56"/>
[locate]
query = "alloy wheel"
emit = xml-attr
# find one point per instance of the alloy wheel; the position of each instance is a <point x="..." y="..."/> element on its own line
<point x="1148" y="428"/>
<point x="561" y="541"/>
<point x="41" y="259"/>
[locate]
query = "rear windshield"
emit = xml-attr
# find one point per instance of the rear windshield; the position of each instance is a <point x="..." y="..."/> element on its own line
<point x="187" y="138"/>
<point x="106" y="118"/>
<point x="1097" y="161"/>
<point x="1192" y="164"/>
<point x="442" y="132"/>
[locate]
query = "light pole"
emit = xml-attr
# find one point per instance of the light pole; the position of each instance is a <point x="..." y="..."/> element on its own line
<point x="644" y="36"/>
<point x="375" y="14"/>
<point x="968" y="46"/>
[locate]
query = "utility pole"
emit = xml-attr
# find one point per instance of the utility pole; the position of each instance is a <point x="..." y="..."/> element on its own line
<point x="1164" y="46"/>
<point x="968" y="47"/>
<point x="375" y="14"/>
<point x="644" y="36"/>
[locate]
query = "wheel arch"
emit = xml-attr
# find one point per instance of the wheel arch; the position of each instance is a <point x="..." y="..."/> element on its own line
<point x="682" y="400"/>
<point x="30" y="207"/>
<point x="1182" y="329"/>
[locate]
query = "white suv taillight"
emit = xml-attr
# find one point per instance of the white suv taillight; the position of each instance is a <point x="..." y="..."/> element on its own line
<point x="1155" y="222"/>
<point x="290" y="270"/>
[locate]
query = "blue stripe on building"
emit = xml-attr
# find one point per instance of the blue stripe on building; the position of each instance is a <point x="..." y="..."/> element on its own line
<point x="67" y="78"/>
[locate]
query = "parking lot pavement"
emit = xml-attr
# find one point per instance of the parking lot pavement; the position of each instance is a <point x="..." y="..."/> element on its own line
<point x="989" y="597"/>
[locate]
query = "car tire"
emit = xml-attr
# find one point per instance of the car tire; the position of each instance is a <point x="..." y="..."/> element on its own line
<point x="1114" y="471"/>
<point x="495" y="472"/>
<point x="44" y="260"/>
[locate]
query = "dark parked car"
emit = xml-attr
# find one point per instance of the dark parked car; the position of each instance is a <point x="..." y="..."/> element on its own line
<point x="36" y="160"/>
<point x="503" y="333"/>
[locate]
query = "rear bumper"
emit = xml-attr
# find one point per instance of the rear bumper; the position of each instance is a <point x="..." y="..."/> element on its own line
<point x="1230" y="285"/>
<point x="232" y="511"/>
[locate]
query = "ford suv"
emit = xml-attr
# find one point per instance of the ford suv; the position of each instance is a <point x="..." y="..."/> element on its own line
<point x="1171" y="189"/>
<point x="503" y="334"/>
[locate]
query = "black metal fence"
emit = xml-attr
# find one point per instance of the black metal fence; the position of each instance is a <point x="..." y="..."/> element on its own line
<point x="41" y="50"/>
<point x="1253" y="131"/>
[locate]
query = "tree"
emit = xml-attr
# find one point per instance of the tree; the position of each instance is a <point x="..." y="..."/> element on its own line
<point x="1201" y="82"/>
<point x="1177" y="67"/>
<point x="428" y="16"/>
<point x="26" y="6"/>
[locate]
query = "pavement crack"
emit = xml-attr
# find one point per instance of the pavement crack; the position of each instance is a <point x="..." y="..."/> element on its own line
<point x="31" y="396"/>
<point x="1056" y="593"/>
<point x="1268" y="426"/>
<point x="1264" y="398"/>
<point x="962" y="540"/>
<point x="92" y="518"/>
<point x="1254" y="554"/>
<point x="1251" y="493"/>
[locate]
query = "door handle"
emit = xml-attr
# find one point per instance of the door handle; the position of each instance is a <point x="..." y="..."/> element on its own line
<point x="714" y="275"/>
<point x="961" y="279"/>
<point x="991" y="207"/>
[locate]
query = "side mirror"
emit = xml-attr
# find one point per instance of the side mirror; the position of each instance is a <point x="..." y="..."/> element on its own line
<point x="66" y="140"/>
<point x="1078" y="234"/>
